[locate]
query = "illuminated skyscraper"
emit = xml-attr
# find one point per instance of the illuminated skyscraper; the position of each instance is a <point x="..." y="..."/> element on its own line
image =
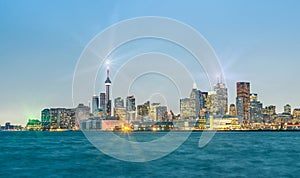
<point x="102" y="100"/>
<point x="153" y="110"/>
<point x="161" y="113"/>
<point x="243" y="97"/>
<point x="107" y="96"/>
<point x="143" y="109"/>
<point x="269" y="113"/>
<point x="204" y="100"/>
<point x="255" y="109"/>
<point x="287" y="109"/>
<point x="232" y="110"/>
<point x="240" y="107"/>
<point x="296" y="113"/>
<point x="190" y="107"/>
<point x="120" y="110"/>
<point x="119" y="102"/>
<point x="130" y="103"/>
<point x="95" y="103"/>
<point x="185" y="108"/>
<point x="195" y="101"/>
<point x="270" y="110"/>
<point x="130" y="108"/>
<point x="221" y="105"/>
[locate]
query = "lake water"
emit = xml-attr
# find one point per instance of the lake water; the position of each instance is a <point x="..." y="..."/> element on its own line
<point x="229" y="154"/>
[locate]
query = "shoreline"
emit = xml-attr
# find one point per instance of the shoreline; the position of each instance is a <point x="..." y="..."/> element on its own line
<point x="154" y="131"/>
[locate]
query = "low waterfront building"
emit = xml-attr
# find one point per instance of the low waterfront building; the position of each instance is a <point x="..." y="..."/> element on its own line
<point x="99" y="113"/>
<point x="33" y="124"/>
<point x="93" y="124"/>
<point x="152" y="126"/>
<point x="226" y="122"/>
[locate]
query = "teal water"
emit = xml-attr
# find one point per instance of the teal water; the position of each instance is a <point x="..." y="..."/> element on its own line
<point x="229" y="154"/>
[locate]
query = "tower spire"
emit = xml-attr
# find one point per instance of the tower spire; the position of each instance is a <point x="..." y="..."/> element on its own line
<point x="107" y="71"/>
<point x="107" y="93"/>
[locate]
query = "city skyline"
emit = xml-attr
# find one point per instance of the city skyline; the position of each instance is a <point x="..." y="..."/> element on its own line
<point x="41" y="43"/>
<point x="201" y="110"/>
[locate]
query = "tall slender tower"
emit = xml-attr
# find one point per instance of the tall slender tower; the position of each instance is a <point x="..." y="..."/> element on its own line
<point x="107" y="97"/>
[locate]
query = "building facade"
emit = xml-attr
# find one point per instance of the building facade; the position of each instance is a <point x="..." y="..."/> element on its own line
<point x="221" y="106"/>
<point x="102" y="101"/>
<point x="255" y="109"/>
<point x="59" y="118"/>
<point x="191" y="107"/>
<point x="287" y="109"/>
<point x="144" y="109"/>
<point x="243" y="93"/>
<point x="119" y="102"/>
<point x="161" y="113"/>
<point x="232" y="110"/>
<point x="130" y="108"/>
<point x="95" y="103"/>
<point x="153" y="110"/>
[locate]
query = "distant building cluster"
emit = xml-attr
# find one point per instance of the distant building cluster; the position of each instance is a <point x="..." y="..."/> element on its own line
<point x="254" y="116"/>
<point x="9" y="127"/>
<point x="201" y="110"/>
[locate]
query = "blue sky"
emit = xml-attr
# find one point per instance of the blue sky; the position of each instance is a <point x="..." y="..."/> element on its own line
<point x="41" y="41"/>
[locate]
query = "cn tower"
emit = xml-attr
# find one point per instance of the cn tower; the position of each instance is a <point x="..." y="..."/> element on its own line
<point x="107" y="99"/>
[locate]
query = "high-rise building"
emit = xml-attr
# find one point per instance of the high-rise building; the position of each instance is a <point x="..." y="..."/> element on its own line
<point x="190" y="107"/>
<point x="120" y="113"/>
<point x="204" y="101"/>
<point x="296" y="114"/>
<point x="107" y="94"/>
<point x="144" y="109"/>
<point x="130" y="103"/>
<point x="212" y="103"/>
<point x="271" y="110"/>
<point x="102" y="100"/>
<point x="161" y="113"/>
<point x="253" y="97"/>
<point x="119" y="102"/>
<point x="287" y="109"/>
<point x="62" y="118"/>
<point x="120" y="110"/>
<point x="222" y="98"/>
<point x="269" y="113"/>
<point x="95" y="103"/>
<point x="240" y="107"/>
<point x="232" y="110"/>
<point x="45" y="119"/>
<point x="185" y="109"/>
<point x="152" y="113"/>
<point x="82" y="112"/>
<point x="195" y="101"/>
<point x="243" y="93"/>
<point x="255" y="109"/>
<point x="59" y="118"/>
<point x="130" y="108"/>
